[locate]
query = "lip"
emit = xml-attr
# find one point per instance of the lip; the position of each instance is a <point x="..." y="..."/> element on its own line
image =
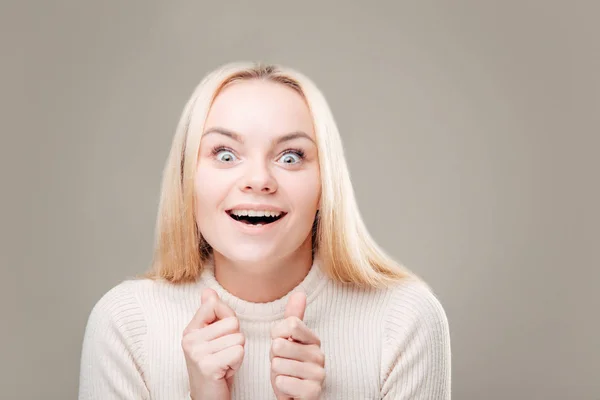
<point x="256" y="207"/>
<point x="253" y="229"/>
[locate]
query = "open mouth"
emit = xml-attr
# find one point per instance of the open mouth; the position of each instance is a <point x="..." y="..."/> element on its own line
<point x="256" y="218"/>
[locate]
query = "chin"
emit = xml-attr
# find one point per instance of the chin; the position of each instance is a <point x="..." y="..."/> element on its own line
<point x="258" y="258"/>
<point x="249" y="254"/>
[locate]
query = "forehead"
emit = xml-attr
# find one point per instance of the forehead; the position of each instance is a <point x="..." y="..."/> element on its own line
<point x="260" y="108"/>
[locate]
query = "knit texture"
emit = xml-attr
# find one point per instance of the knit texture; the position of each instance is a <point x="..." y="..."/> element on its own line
<point x="389" y="343"/>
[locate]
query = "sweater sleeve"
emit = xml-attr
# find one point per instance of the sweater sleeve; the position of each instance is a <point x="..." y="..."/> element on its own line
<point x="113" y="348"/>
<point x="416" y="349"/>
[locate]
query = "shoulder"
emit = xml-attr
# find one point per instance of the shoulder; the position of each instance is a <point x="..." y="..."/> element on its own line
<point x="413" y="305"/>
<point x="115" y="344"/>
<point x="415" y="323"/>
<point x="118" y="312"/>
<point x="410" y="300"/>
<point x="402" y="309"/>
<point x="134" y="307"/>
<point x="129" y="301"/>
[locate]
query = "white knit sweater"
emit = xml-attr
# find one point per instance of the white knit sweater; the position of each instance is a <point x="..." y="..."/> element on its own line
<point x="379" y="344"/>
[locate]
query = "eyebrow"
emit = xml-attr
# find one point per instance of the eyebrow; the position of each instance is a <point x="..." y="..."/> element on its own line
<point x="238" y="138"/>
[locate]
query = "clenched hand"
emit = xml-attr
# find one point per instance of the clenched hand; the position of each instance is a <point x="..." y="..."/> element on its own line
<point x="213" y="347"/>
<point x="297" y="361"/>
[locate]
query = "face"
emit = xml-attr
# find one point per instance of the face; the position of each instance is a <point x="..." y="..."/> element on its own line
<point x="257" y="183"/>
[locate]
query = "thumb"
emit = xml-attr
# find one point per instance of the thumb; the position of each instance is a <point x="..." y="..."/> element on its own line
<point x="207" y="293"/>
<point x="296" y="305"/>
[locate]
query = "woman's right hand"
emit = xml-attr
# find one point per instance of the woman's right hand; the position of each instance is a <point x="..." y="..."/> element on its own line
<point x="213" y="347"/>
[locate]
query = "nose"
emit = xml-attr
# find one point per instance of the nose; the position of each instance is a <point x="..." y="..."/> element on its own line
<point x="258" y="179"/>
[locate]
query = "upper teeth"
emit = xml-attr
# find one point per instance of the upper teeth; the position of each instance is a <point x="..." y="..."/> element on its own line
<point x="254" y="213"/>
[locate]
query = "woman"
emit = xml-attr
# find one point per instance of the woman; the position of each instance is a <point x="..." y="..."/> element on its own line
<point x="265" y="282"/>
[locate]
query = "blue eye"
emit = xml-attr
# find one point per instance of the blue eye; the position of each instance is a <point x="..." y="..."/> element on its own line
<point x="225" y="156"/>
<point x="292" y="157"/>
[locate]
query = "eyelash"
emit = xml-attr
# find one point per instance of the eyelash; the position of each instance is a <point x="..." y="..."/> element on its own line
<point x="218" y="149"/>
<point x="299" y="152"/>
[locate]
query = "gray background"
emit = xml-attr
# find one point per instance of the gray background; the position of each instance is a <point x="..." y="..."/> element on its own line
<point x="471" y="128"/>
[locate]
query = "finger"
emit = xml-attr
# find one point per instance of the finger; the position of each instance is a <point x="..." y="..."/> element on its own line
<point x="293" y="328"/>
<point x="295" y="306"/>
<point x="231" y="356"/>
<point x="219" y="308"/>
<point x="218" y="364"/>
<point x="211" y="309"/>
<point x="297" y="388"/>
<point x="225" y="342"/>
<point x="297" y="351"/>
<point x="208" y="293"/>
<point x="297" y="369"/>
<point x="220" y="328"/>
<point x="208" y="340"/>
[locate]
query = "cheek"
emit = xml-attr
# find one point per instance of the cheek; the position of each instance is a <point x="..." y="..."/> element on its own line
<point x="305" y="192"/>
<point x="209" y="192"/>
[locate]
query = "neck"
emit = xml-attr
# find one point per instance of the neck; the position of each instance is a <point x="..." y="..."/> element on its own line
<point x="265" y="281"/>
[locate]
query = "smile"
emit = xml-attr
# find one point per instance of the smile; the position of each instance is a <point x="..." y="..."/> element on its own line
<point x="256" y="217"/>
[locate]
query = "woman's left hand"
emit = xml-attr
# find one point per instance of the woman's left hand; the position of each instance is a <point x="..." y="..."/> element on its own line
<point x="297" y="361"/>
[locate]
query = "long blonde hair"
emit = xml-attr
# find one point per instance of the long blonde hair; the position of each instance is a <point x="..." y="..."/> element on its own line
<point x="346" y="251"/>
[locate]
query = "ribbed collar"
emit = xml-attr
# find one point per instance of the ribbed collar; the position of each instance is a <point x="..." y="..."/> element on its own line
<point x="312" y="284"/>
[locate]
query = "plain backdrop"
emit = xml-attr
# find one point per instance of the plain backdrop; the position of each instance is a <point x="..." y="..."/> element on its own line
<point x="471" y="129"/>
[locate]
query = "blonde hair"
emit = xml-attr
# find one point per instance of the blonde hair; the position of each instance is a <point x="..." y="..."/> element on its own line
<point x="346" y="251"/>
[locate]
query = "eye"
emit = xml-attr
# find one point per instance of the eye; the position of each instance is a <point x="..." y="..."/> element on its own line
<point x="292" y="157"/>
<point x="225" y="155"/>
